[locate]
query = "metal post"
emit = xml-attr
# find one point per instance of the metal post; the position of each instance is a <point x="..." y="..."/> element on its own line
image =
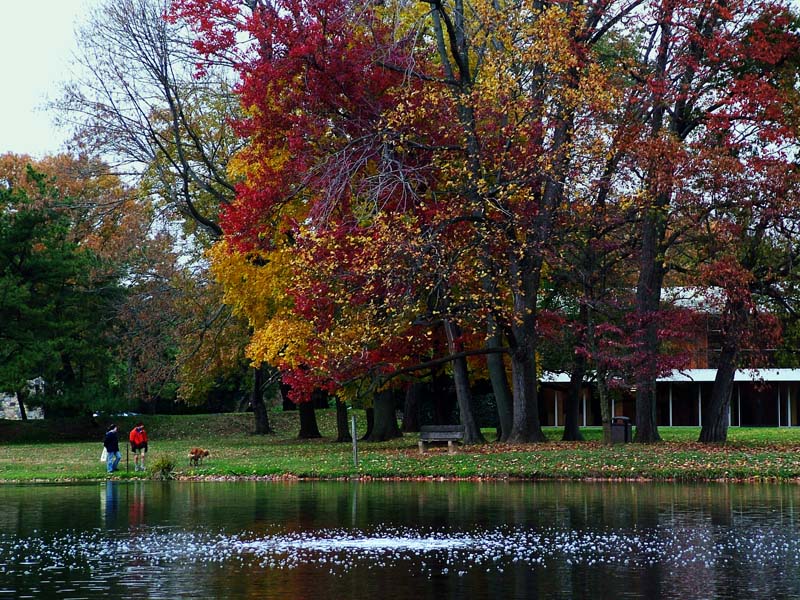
<point x="355" y="440"/>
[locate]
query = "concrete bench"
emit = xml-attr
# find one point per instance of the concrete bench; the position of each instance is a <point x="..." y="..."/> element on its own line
<point x="440" y="433"/>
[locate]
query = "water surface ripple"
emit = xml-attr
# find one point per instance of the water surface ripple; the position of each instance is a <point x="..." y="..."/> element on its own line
<point x="405" y="541"/>
<point x="342" y="550"/>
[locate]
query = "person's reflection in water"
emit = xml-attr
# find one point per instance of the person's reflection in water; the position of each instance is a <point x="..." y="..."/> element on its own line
<point x="109" y="502"/>
<point x="136" y="504"/>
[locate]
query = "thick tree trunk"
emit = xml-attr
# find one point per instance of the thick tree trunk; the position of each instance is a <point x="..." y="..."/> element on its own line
<point x="411" y="408"/>
<point x="261" y="417"/>
<point x="472" y="433"/>
<point x="21" y="397"/>
<point x="525" y="426"/>
<point x="646" y="427"/>
<point x="370" y="414"/>
<point x="260" y="414"/>
<point x="716" y="414"/>
<point x="715" y="417"/>
<point x="342" y="426"/>
<point x="442" y="399"/>
<point x="605" y="407"/>
<point x="525" y="254"/>
<point x="320" y="399"/>
<point x="502" y="391"/>
<point x="288" y="404"/>
<point x="385" y="426"/>
<point x="572" y="431"/>
<point x="648" y="299"/>
<point x="308" y="421"/>
<point x="601" y="375"/>
<point x="652" y="256"/>
<point x="647" y="304"/>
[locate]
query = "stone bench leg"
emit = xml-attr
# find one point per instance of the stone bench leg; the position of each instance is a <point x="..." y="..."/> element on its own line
<point x="421" y="445"/>
<point x="451" y="447"/>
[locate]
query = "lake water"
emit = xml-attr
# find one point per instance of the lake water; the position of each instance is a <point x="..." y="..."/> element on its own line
<point x="426" y="540"/>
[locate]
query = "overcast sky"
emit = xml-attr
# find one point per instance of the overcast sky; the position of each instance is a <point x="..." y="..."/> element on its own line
<point x="36" y="43"/>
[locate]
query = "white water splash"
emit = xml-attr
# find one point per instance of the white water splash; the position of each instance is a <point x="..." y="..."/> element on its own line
<point x="342" y="550"/>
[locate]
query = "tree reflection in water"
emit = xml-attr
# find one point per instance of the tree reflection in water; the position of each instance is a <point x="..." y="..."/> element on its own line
<point x="410" y="540"/>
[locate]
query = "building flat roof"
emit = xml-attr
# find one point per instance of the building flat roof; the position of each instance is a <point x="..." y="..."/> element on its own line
<point x="744" y="375"/>
<point x="705" y="376"/>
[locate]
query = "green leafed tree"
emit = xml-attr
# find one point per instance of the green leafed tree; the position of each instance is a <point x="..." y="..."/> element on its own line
<point x="56" y="307"/>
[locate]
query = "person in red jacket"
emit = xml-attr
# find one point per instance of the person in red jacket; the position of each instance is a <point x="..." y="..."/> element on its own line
<point x="138" y="440"/>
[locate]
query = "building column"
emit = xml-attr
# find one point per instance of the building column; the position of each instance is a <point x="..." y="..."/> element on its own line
<point x="670" y="404"/>
<point x="583" y="396"/>
<point x="739" y="402"/>
<point x="556" y="409"/>
<point x="699" y="405"/>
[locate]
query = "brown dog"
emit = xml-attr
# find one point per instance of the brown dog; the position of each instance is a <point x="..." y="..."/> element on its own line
<point x="196" y="456"/>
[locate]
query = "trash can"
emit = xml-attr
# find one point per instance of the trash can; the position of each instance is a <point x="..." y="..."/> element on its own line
<point x="620" y="430"/>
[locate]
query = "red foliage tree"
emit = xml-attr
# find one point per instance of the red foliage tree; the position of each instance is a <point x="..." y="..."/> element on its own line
<point x="421" y="163"/>
<point x="709" y="90"/>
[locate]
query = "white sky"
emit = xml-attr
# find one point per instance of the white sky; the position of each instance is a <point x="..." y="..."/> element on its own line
<point x="36" y="44"/>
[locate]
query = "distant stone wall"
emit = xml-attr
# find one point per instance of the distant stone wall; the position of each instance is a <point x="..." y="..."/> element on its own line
<point x="9" y="409"/>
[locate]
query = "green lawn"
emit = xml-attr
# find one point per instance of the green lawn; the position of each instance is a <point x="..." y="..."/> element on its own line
<point x="751" y="453"/>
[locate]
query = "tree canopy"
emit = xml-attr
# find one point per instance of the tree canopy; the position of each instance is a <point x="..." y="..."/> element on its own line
<point x="57" y="302"/>
<point x="415" y="175"/>
<point x="385" y="190"/>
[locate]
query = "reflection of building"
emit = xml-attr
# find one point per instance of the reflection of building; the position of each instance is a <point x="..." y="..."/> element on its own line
<point x="766" y="397"/>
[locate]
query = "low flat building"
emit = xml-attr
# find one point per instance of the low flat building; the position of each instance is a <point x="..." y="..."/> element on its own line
<point x="9" y="409"/>
<point x="761" y="397"/>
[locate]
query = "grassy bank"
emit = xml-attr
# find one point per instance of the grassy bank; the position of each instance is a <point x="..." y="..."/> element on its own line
<point x="70" y="449"/>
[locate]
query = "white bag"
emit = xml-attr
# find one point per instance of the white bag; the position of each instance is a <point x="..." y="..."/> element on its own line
<point x="104" y="455"/>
